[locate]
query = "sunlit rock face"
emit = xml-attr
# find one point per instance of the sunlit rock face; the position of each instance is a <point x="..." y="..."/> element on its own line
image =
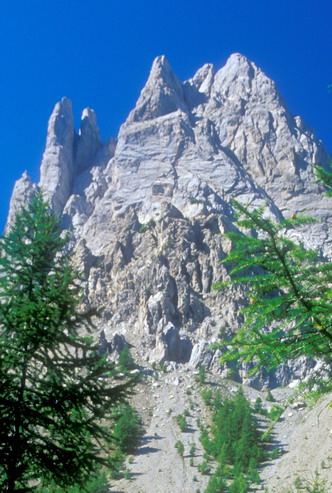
<point x="23" y="192"/>
<point x="148" y="209"/>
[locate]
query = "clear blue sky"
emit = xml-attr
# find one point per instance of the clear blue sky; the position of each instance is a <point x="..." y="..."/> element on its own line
<point x="99" y="53"/>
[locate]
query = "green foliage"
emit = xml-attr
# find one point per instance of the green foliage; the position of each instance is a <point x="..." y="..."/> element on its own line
<point x="233" y="439"/>
<point x="239" y="485"/>
<point x="118" y="464"/>
<point x="258" y="406"/>
<point x="179" y="447"/>
<point x="126" y="362"/>
<point x="97" y="484"/>
<point x="269" y="396"/>
<point x="201" y="376"/>
<point x="275" y="412"/>
<point x="192" y="449"/>
<point x="217" y="483"/>
<point x="204" y="468"/>
<point x="182" y="422"/>
<point x="325" y="177"/>
<point x="315" y="388"/>
<point x="127" y="427"/>
<point x="57" y="394"/>
<point x="313" y="485"/>
<point x="275" y="453"/>
<point x="147" y="227"/>
<point x="289" y="289"/>
<point x="207" y="396"/>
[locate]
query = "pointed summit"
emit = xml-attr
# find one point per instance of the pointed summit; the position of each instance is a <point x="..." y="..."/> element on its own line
<point x="162" y="94"/>
<point x="56" y="172"/>
<point x="88" y="141"/>
<point x="240" y="78"/>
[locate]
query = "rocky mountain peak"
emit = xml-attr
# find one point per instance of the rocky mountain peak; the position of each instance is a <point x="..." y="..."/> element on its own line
<point x="150" y="206"/>
<point x="60" y="131"/>
<point x="68" y="154"/>
<point x="88" y="140"/>
<point x="57" y="167"/>
<point x="148" y="211"/>
<point x="203" y="78"/>
<point x="162" y="94"/>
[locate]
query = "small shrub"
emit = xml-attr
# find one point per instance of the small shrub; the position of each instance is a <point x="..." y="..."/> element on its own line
<point x="126" y="362"/>
<point x="239" y="485"/>
<point x="258" y="406"/>
<point x="201" y="376"/>
<point x="217" y="483"/>
<point x="204" y="468"/>
<point x="314" y="485"/>
<point x="182" y="422"/>
<point x="275" y="412"/>
<point x="180" y="447"/>
<point x="192" y="449"/>
<point x="275" y="453"/>
<point x="127" y="427"/>
<point x="207" y="397"/>
<point x="206" y="456"/>
<point x="269" y="396"/>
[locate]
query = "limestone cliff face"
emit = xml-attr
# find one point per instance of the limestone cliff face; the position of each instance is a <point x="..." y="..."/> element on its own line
<point x="23" y="192"/>
<point x="147" y="210"/>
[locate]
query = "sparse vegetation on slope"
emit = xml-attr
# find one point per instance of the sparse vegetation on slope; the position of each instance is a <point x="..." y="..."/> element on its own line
<point x="234" y="441"/>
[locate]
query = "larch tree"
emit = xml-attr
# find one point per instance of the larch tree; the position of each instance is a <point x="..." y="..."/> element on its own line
<point x="57" y="393"/>
<point x="289" y="292"/>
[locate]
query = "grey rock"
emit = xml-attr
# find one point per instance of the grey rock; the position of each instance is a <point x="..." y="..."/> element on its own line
<point x="88" y="141"/>
<point x="22" y="194"/>
<point x="57" y="168"/>
<point x="163" y="94"/>
<point x="148" y="211"/>
<point x="171" y="347"/>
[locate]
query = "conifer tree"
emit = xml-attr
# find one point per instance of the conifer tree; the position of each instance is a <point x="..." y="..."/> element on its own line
<point x="55" y="388"/>
<point x="289" y="288"/>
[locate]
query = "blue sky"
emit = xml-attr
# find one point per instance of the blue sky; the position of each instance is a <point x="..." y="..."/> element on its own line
<point x="99" y="53"/>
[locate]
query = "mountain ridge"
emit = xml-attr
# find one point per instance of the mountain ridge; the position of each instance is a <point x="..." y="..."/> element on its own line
<point x="150" y="204"/>
<point x="147" y="212"/>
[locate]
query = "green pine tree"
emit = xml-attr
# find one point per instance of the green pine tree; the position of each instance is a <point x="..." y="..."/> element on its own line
<point x="239" y="485"/>
<point x="127" y="426"/>
<point x="325" y="176"/>
<point x="217" y="482"/>
<point x="55" y="389"/>
<point x="126" y="361"/>
<point x="289" y="288"/>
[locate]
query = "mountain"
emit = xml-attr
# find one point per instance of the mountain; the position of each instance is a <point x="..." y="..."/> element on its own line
<point x="147" y="210"/>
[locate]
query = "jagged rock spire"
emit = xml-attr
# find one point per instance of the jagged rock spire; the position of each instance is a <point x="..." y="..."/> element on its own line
<point x="88" y="140"/>
<point x="57" y="168"/>
<point x="162" y="94"/>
